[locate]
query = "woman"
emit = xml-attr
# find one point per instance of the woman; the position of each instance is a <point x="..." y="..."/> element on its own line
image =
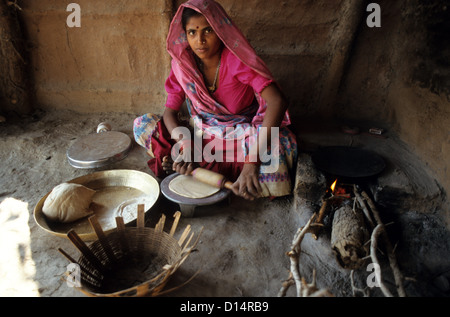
<point x="232" y="100"/>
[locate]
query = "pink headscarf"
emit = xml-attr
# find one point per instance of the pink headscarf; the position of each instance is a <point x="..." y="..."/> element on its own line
<point x="212" y="115"/>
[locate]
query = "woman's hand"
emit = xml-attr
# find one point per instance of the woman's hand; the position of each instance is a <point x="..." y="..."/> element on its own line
<point x="184" y="168"/>
<point x="247" y="185"/>
<point x="183" y="164"/>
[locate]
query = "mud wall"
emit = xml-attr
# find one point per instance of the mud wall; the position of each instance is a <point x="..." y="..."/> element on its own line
<point x="15" y="83"/>
<point x="399" y="76"/>
<point x="116" y="60"/>
<point x="328" y="61"/>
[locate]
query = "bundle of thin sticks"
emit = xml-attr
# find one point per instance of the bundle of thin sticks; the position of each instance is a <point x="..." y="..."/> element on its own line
<point x="303" y="288"/>
<point x="378" y="229"/>
<point x="373" y="217"/>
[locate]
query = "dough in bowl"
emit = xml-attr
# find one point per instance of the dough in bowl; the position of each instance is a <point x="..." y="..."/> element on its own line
<point x="188" y="186"/>
<point x="68" y="202"/>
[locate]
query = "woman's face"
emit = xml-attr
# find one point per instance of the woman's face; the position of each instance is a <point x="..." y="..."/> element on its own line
<point x="202" y="39"/>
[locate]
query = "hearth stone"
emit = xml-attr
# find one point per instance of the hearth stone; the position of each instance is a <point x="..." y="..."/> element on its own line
<point x="393" y="189"/>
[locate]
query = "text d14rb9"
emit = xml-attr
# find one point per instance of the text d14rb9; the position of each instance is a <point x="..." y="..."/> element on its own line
<point x="246" y="306"/>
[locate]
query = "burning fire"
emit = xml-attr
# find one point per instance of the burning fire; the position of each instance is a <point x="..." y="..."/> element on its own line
<point x="339" y="191"/>
<point x="333" y="186"/>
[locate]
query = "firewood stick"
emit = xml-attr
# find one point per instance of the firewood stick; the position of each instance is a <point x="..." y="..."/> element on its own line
<point x="321" y="293"/>
<point x="302" y="288"/>
<point x="322" y="209"/>
<point x="363" y="207"/>
<point x="398" y="276"/>
<point x="294" y="257"/>
<point x="285" y="285"/>
<point x="309" y="288"/>
<point x="301" y="234"/>
<point x="319" y="220"/>
<point x="294" y="274"/>
<point x="373" y="254"/>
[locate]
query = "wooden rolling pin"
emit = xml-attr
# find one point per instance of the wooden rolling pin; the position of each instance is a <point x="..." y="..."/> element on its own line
<point x="211" y="178"/>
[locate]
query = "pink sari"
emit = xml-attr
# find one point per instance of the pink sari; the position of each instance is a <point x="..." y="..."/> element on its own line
<point x="206" y="111"/>
<point x="209" y="116"/>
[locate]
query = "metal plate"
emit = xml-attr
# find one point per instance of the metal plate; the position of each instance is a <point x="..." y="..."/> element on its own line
<point x="114" y="189"/>
<point x="99" y="149"/>
<point x="185" y="201"/>
<point x="348" y="162"/>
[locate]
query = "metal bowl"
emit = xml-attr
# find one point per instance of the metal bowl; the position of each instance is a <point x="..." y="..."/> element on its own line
<point x="118" y="192"/>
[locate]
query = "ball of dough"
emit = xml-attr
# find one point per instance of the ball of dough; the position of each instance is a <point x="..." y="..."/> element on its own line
<point x="68" y="202"/>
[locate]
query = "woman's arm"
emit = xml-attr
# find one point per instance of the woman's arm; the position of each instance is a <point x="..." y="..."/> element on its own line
<point x="275" y="111"/>
<point x="247" y="185"/>
<point x="183" y="163"/>
<point x="170" y="119"/>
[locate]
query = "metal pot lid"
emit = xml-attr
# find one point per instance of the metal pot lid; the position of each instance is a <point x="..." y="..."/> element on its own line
<point x="99" y="149"/>
<point x="348" y="162"/>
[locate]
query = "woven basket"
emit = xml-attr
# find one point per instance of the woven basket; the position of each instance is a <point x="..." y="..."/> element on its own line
<point x="130" y="261"/>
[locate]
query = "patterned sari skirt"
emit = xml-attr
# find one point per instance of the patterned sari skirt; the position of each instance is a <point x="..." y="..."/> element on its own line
<point x="275" y="179"/>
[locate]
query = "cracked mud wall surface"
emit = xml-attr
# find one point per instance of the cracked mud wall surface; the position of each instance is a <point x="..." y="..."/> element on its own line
<point x="116" y="60"/>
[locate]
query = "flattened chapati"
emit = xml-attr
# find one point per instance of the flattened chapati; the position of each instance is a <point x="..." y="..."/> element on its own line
<point x="188" y="186"/>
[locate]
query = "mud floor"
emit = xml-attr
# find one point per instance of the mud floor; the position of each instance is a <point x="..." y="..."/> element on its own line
<point x="242" y="249"/>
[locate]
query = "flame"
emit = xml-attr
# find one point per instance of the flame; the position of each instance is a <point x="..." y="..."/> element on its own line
<point x="333" y="186"/>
